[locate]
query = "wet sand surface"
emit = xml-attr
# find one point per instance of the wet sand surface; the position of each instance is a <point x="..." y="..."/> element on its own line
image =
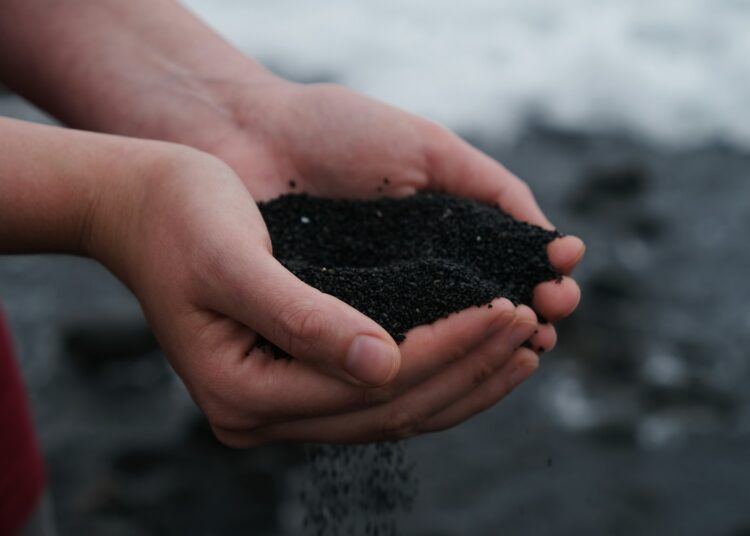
<point x="637" y="423"/>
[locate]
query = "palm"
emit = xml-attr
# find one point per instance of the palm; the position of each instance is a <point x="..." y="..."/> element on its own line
<point x="333" y="143"/>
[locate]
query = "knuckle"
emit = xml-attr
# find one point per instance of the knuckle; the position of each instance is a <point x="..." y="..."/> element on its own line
<point x="227" y="412"/>
<point x="235" y="440"/>
<point x="437" y="140"/>
<point x="222" y="417"/>
<point x="375" y="396"/>
<point x="500" y="322"/>
<point x="327" y="88"/>
<point x="303" y="325"/>
<point x="226" y="438"/>
<point x="526" y="315"/>
<point x="452" y="349"/>
<point x="524" y="188"/>
<point x="435" y="132"/>
<point x="266" y="243"/>
<point x="401" y="423"/>
<point x="210" y="404"/>
<point x="483" y="371"/>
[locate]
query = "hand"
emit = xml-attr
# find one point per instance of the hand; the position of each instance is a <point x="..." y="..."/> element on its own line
<point x="333" y="142"/>
<point x="187" y="238"/>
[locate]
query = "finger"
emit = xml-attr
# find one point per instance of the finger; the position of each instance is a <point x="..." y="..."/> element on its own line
<point x="460" y="169"/>
<point x="544" y="339"/>
<point x="555" y="300"/>
<point x="403" y="417"/>
<point x="565" y="253"/>
<point x="522" y="365"/>
<point x="429" y="348"/>
<point x="314" y="327"/>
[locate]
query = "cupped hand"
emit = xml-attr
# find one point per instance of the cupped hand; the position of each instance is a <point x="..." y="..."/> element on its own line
<point x="187" y="238"/>
<point x="330" y="141"/>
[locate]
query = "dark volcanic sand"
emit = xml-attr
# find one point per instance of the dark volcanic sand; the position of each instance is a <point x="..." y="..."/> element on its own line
<point x="411" y="261"/>
<point x="403" y="262"/>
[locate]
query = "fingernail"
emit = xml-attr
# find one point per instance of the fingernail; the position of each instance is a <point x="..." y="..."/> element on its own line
<point x="370" y="360"/>
<point x="520" y="333"/>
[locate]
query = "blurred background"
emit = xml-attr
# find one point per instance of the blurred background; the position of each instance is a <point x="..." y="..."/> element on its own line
<point x="630" y="121"/>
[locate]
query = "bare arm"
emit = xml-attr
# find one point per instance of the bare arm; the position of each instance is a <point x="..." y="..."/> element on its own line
<point x="50" y="183"/>
<point x="129" y="67"/>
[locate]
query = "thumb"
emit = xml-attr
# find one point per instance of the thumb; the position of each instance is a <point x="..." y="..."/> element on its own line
<point x="314" y="327"/>
<point x="460" y="169"/>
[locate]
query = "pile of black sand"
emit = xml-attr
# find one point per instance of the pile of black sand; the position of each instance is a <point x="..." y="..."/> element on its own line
<point x="407" y="262"/>
<point x="402" y="262"/>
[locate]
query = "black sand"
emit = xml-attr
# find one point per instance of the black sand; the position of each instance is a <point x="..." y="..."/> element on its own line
<point x="407" y="262"/>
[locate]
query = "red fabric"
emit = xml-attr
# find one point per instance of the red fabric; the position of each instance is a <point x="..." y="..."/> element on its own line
<point x="22" y="474"/>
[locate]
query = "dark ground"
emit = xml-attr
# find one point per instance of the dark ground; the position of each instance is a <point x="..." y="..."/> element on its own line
<point x="638" y="423"/>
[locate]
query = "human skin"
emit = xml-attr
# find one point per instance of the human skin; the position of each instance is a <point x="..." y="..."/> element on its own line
<point x="179" y="228"/>
<point x="150" y="69"/>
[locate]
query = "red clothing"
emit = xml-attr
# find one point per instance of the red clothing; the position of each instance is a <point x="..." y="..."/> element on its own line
<point x="22" y="474"/>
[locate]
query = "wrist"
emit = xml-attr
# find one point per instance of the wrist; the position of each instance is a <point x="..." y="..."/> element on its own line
<point x="115" y="223"/>
<point x="54" y="181"/>
<point x="203" y="110"/>
<point x="142" y="212"/>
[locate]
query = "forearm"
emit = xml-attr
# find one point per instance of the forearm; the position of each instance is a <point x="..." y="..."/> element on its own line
<point x="51" y="182"/>
<point x="121" y="67"/>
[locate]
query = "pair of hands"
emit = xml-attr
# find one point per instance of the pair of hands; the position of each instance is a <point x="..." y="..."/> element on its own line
<point x="190" y="242"/>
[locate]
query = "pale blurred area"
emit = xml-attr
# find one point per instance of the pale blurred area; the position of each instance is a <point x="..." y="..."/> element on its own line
<point x="630" y="122"/>
<point x="671" y="70"/>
